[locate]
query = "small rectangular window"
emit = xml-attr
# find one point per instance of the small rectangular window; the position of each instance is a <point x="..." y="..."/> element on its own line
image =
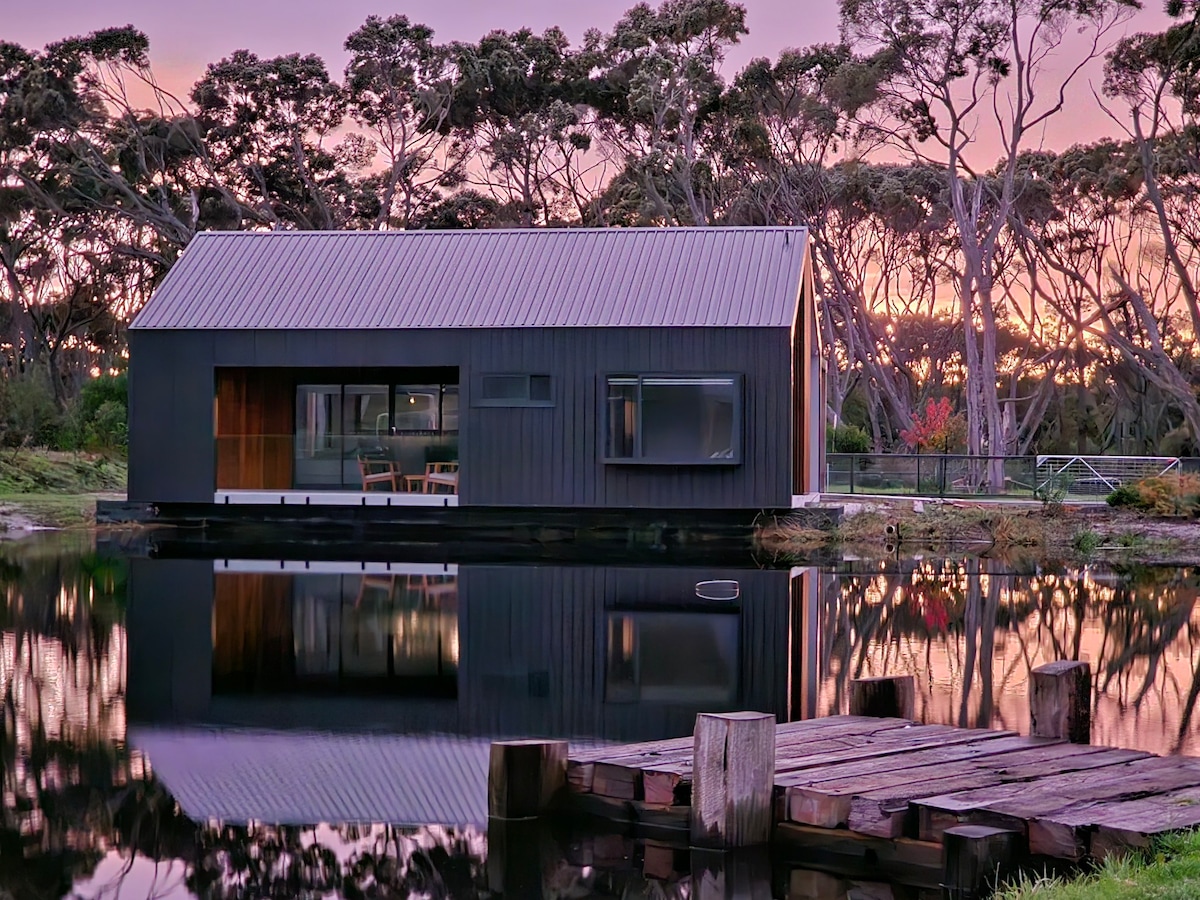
<point x="672" y="419"/>
<point x="513" y="390"/>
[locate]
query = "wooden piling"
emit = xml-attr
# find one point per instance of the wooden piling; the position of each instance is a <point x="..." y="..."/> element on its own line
<point x="743" y="874"/>
<point x="524" y="777"/>
<point x="1060" y="702"/>
<point x="733" y="779"/>
<point x="889" y="697"/>
<point x="974" y="858"/>
<point x="521" y="858"/>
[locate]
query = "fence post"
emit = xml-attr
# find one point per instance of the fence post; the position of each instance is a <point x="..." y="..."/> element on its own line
<point x="853" y="464"/>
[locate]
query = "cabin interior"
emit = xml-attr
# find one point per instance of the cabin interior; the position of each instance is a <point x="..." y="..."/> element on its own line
<point x="337" y="429"/>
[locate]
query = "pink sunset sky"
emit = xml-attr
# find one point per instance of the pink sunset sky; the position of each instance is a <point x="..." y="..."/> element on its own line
<point x="186" y="36"/>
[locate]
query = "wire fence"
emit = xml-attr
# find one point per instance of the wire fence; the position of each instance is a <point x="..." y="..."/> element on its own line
<point x="1043" y="477"/>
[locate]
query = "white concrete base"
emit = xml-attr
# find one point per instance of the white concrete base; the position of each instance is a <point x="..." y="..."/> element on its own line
<point x="332" y="498"/>
<point x="332" y="567"/>
<point x="799" y="501"/>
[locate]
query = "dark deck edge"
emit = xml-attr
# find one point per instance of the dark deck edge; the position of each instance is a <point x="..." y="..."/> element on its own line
<point x="220" y="531"/>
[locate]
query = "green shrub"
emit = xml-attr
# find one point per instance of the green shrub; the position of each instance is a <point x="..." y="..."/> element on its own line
<point x="109" y="427"/>
<point x="1124" y="495"/>
<point x="28" y="413"/>
<point x="1085" y="542"/>
<point x="849" y="439"/>
<point x="98" y="418"/>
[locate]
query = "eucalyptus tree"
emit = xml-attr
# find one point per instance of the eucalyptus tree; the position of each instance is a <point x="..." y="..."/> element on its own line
<point x="660" y="94"/>
<point x="399" y="86"/>
<point x="1157" y="79"/>
<point x="267" y="124"/>
<point x="86" y="174"/>
<point x="521" y="99"/>
<point x="958" y="76"/>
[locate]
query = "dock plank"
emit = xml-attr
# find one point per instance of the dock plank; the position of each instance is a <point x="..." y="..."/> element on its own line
<point x="1014" y="804"/>
<point x="656" y="776"/>
<point x="1113" y="825"/>
<point x="672" y="779"/>
<point x="858" y="782"/>
<point x="823" y="796"/>
<point x="886" y="811"/>
<point x="882" y="806"/>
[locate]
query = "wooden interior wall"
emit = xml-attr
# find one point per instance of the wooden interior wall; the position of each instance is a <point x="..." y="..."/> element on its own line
<point x="255" y="412"/>
<point x="252" y="630"/>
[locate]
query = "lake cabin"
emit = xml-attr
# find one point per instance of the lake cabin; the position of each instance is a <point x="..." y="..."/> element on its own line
<point x="640" y="368"/>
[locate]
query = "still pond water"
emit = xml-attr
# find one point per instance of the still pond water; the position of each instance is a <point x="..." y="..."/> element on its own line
<point x="180" y="728"/>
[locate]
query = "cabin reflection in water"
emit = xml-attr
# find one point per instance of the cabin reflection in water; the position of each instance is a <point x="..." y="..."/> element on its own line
<point x="382" y="632"/>
<point x="486" y="650"/>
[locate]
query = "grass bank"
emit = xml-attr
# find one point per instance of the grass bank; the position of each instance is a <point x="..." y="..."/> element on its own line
<point x="1170" y="872"/>
<point x="49" y="488"/>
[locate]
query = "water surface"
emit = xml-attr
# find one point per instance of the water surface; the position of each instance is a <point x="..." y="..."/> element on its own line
<point x="197" y="728"/>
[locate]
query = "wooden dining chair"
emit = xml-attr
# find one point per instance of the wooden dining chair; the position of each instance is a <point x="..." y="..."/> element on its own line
<point x="378" y="471"/>
<point x="441" y="474"/>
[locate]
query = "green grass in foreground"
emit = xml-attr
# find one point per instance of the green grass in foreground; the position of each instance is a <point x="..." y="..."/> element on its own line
<point x="1171" y="872"/>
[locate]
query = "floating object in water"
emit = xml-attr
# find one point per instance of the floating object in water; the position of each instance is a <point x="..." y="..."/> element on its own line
<point x="718" y="590"/>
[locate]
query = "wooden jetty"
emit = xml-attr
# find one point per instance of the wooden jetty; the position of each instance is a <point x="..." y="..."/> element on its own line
<point x="905" y="797"/>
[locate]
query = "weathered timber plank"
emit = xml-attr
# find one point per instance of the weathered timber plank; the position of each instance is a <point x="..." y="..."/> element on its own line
<point x="804" y="726"/>
<point x="831" y="804"/>
<point x="791" y="770"/>
<point x="884" y="810"/>
<point x="1015" y="804"/>
<point x="1118" y="823"/>
<point x="1080" y="756"/>
<point x="932" y="757"/>
<point x="582" y="763"/>
<point x="667" y="779"/>
<point x="616" y="782"/>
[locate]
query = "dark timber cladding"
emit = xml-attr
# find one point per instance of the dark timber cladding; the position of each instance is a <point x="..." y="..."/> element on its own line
<point x="244" y="318"/>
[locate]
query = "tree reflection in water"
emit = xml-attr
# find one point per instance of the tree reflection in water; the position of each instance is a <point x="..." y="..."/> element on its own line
<point x="84" y="816"/>
<point x="971" y="630"/>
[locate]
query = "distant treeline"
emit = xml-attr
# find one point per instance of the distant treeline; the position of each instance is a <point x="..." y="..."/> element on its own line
<point x="1050" y="296"/>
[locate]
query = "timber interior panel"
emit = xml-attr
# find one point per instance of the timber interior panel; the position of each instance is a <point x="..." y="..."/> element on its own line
<point x="254" y="425"/>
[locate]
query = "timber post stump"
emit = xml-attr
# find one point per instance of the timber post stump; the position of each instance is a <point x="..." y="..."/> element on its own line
<point x="974" y="859"/>
<point x="733" y="780"/>
<point x="889" y="697"/>
<point x="1060" y="702"/>
<point x="524" y="777"/>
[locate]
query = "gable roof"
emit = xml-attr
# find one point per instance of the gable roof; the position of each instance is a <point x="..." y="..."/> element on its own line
<point x="298" y="778"/>
<point x="521" y="278"/>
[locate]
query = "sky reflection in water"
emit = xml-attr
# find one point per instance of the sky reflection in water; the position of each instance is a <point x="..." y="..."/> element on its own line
<point x="84" y="814"/>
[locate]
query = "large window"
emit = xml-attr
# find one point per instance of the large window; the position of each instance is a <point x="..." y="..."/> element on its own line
<point x="672" y="657"/>
<point x="407" y="422"/>
<point x="673" y="419"/>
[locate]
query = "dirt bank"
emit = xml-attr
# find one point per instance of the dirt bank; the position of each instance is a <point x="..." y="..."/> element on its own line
<point x="876" y="528"/>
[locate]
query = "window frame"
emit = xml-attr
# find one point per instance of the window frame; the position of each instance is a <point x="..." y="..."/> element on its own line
<point x="526" y="402"/>
<point x="736" y="438"/>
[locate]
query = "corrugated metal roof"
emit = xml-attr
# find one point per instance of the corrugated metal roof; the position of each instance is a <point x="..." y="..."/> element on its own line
<point x="302" y="778"/>
<point x="528" y="278"/>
